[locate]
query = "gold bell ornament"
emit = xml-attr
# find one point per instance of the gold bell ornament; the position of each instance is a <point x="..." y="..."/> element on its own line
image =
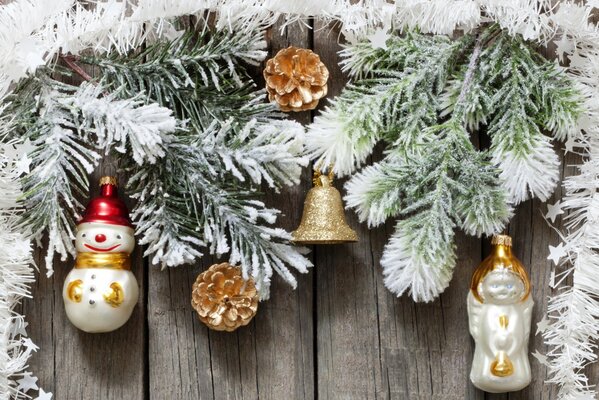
<point x="499" y="314"/>
<point x="323" y="220"/>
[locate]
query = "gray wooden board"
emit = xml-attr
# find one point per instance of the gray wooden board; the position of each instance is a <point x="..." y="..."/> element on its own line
<point x="270" y="359"/>
<point x="339" y="335"/>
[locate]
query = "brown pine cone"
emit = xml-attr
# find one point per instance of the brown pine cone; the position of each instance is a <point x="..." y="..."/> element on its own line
<point x="223" y="300"/>
<point x="296" y="79"/>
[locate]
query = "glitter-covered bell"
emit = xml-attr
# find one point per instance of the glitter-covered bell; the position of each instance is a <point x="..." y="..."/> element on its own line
<point x="323" y="220"/>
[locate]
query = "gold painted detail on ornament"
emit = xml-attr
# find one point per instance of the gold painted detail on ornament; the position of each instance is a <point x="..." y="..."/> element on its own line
<point x="75" y="290"/>
<point x="502" y="365"/>
<point x="501" y="240"/>
<point x="501" y="258"/>
<point x="108" y="180"/>
<point x="115" y="295"/>
<point x="106" y="260"/>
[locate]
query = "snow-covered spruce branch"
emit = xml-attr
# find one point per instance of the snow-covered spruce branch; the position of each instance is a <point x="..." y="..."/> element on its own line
<point x="514" y="99"/>
<point x="448" y="185"/>
<point x="529" y="165"/>
<point x="232" y="132"/>
<point x="202" y="74"/>
<point x="70" y="127"/>
<point x="176" y="219"/>
<point x="189" y="199"/>
<point x="209" y="58"/>
<point x="61" y="163"/>
<point x="128" y="126"/>
<point x="230" y="135"/>
<point x="406" y="82"/>
<point x="518" y="95"/>
<point x="266" y="151"/>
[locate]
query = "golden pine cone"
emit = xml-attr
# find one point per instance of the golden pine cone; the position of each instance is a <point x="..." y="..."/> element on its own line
<point x="223" y="300"/>
<point x="296" y="79"/>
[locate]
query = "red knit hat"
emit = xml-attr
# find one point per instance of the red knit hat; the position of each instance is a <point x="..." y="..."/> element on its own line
<point x="107" y="208"/>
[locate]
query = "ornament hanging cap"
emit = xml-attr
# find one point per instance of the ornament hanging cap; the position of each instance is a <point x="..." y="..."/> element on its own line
<point x="107" y="208"/>
<point x="502" y="240"/>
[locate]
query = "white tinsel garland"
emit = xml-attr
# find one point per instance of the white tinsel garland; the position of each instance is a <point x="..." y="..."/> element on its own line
<point x="571" y="328"/>
<point x="32" y="31"/>
<point x="15" y="276"/>
<point x="26" y="45"/>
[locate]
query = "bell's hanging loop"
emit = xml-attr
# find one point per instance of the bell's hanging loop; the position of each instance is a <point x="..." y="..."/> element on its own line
<point x="323" y="220"/>
<point x="320" y="178"/>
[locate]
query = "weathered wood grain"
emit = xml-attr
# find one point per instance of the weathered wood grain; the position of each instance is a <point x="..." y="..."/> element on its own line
<point x="272" y="358"/>
<point x="348" y="349"/>
<point x="372" y="345"/>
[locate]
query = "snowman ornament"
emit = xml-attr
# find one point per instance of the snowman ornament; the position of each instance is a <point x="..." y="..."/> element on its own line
<point x="100" y="292"/>
<point x="499" y="313"/>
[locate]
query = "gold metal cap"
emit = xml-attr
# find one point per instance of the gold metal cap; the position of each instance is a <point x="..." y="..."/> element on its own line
<point x="108" y="180"/>
<point x="502" y="240"/>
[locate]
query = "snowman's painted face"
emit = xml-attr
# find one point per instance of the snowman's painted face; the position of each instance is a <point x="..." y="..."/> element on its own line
<point x="501" y="287"/>
<point x="95" y="237"/>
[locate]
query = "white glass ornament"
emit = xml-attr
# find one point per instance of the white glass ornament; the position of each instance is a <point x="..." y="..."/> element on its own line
<point x="499" y="312"/>
<point x="101" y="292"/>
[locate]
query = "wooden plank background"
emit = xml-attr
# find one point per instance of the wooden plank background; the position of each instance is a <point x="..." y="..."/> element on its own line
<point x="340" y="335"/>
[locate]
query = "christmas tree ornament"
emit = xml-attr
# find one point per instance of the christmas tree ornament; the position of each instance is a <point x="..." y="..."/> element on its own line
<point x="323" y="220"/>
<point x="296" y="79"/>
<point x="499" y="312"/>
<point x="100" y="292"/>
<point x="223" y="300"/>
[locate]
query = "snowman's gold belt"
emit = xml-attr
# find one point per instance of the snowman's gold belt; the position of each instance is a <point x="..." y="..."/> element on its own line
<point x="108" y="260"/>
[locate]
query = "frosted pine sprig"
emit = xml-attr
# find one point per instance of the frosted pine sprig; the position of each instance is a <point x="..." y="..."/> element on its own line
<point x="203" y="194"/>
<point x="120" y="124"/>
<point x="71" y="127"/>
<point x="518" y="95"/>
<point x="394" y="102"/>
<point x="432" y="177"/>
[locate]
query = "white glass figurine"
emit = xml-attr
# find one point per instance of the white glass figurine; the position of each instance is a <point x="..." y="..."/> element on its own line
<point x="499" y="311"/>
<point x="101" y="292"/>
